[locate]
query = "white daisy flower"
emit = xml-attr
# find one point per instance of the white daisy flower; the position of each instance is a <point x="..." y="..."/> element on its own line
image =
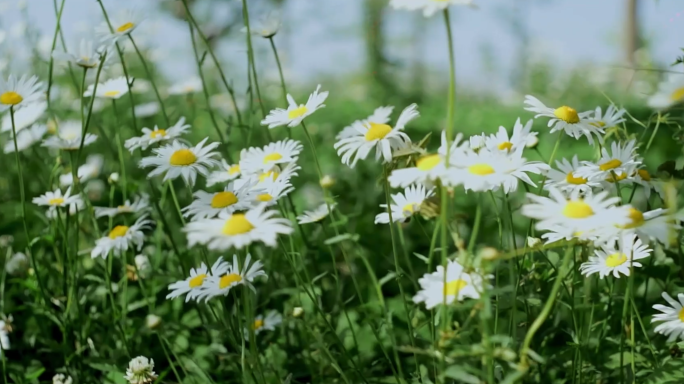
<point x="147" y="109"/>
<point x="68" y="137"/>
<point x="459" y="285"/>
<point x="121" y="238"/>
<point x="56" y="199"/>
<point x="565" y="118"/>
<point x="18" y="92"/>
<point x="670" y="92"/>
<point x="139" y="205"/>
<point x="140" y="371"/>
<point x="88" y="56"/>
<point x="642" y="177"/>
<point x="566" y="178"/>
<point x="18" y="264"/>
<point x="275" y="174"/>
<point x="60" y="378"/>
<point x="219" y="284"/>
<point x="142" y="264"/>
<point x="315" y="215"/>
<point x="258" y="160"/>
<point x="156" y="135"/>
<point x="671" y="318"/>
<point x="616" y="261"/>
<point x="405" y="204"/>
<point x="24" y="116"/>
<point x="227" y="173"/>
<point x="73" y="209"/>
<point x="177" y="159"/>
<point x="269" y="191"/>
<point x="560" y="232"/>
<point x="382" y="137"/>
<point x="91" y="169"/>
<point x="238" y="229"/>
<point x="655" y="225"/>
<point x="295" y="113"/>
<point x="191" y="85"/>
<point x="501" y="142"/>
<point x="266" y="26"/>
<point x="4" y="336"/>
<point x="122" y="24"/>
<point x="268" y="323"/>
<point x="610" y="119"/>
<point x="209" y="205"/>
<point x="622" y="158"/>
<point x="381" y="115"/>
<point x="26" y="138"/>
<point x="198" y="276"/>
<point x="110" y="89"/>
<point x="429" y="7"/>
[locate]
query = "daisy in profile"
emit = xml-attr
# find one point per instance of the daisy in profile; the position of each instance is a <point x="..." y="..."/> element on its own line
<point x="654" y="225"/>
<point x="565" y="178"/>
<point x="68" y="137"/>
<point x="18" y="92"/>
<point x="276" y="174"/>
<point x="140" y="204"/>
<point x="88" y="55"/>
<point x="268" y="323"/>
<point x="156" y="135"/>
<point x="140" y="371"/>
<point x="564" y="118"/>
<point x="177" y="159"/>
<point x="146" y="110"/>
<point x="559" y="232"/>
<point x="382" y="137"/>
<point x="219" y="284"/>
<point x="671" y="318"/>
<point x="227" y="172"/>
<point x="26" y="138"/>
<point x="56" y="199"/>
<point x="122" y="24"/>
<point x="185" y="87"/>
<point x="91" y="169"/>
<point x="405" y="204"/>
<point x="642" y="177"/>
<point x="266" y="26"/>
<point x="191" y="287"/>
<point x="670" y="92"/>
<point x="110" y="89"/>
<point x="459" y="285"/>
<point x="429" y="7"/>
<point x="501" y="142"/>
<point x="258" y="160"/>
<point x="381" y="115"/>
<point x="616" y="261"/>
<point x="5" y="328"/>
<point x="238" y="230"/>
<point x="270" y="191"/>
<point x="121" y="238"/>
<point x="622" y="159"/>
<point x="610" y="119"/>
<point x="24" y="116"/>
<point x="209" y="205"/>
<point x="315" y="215"/>
<point x="295" y="113"/>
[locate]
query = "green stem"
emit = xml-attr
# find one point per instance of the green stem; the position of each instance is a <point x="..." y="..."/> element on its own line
<point x="451" y="97"/>
<point x="54" y="44"/>
<point x="149" y="76"/>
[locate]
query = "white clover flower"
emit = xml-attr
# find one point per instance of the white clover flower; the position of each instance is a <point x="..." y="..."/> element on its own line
<point x="140" y="371"/>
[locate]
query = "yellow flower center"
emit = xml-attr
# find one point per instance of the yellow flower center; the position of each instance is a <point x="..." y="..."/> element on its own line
<point x="118" y="231"/>
<point x="272" y="157"/>
<point x="678" y="94"/>
<point x="567" y="114"/>
<point x="618" y="177"/>
<point x="197" y="280"/>
<point x="10" y="98"/>
<point x="234" y="169"/>
<point x="637" y="219"/>
<point x="297" y="112"/>
<point x="274" y="175"/>
<point x="428" y="162"/>
<point x="158" y="133"/>
<point x="571" y="179"/>
<point x="227" y="280"/>
<point x="507" y="145"/>
<point x="264" y="197"/>
<point x="644" y="175"/>
<point x="598" y="124"/>
<point x="223" y="199"/>
<point x="577" y="210"/>
<point x="615" y="260"/>
<point x="610" y="164"/>
<point x="182" y="157"/>
<point x="481" y="169"/>
<point x="237" y="225"/>
<point x="125" y="27"/>
<point x="408" y="208"/>
<point x="681" y="315"/>
<point x="111" y="93"/>
<point x="453" y="287"/>
<point x="257" y="324"/>
<point x="377" y="131"/>
<point x="56" y="201"/>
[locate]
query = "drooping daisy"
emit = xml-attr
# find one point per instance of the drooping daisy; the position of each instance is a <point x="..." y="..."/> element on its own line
<point x="227" y="172"/>
<point x="156" y="135"/>
<point x="429" y="7"/>
<point x="198" y="277"/>
<point x="61" y="378"/>
<point x="501" y="142"/>
<point x="405" y="204"/>
<point x="622" y="159"/>
<point x="87" y="171"/>
<point x="566" y="178"/>
<point x="459" y="285"/>
<point x="209" y="205"/>
<point x="266" y="26"/>
<point x="4" y="336"/>
<point x="18" y="92"/>
<point x="655" y="225"/>
<point x="315" y="215"/>
<point x="26" y="138"/>
<point x="177" y="159"/>
<point x="616" y="261"/>
<point x="88" y="56"/>
<point x="381" y="115"/>
<point x="268" y="323"/>
<point x="191" y="85"/>
<point x="220" y="284"/>
<point x="382" y="137"/>
<point x="295" y="113"/>
<point x="147" y="109"/>
<point x="110" y="89"/>
<point x="610" y="119"/>
<point x="642" y="177"/>
<point x="121" y="238"/>
<point x="122" y="24"/>
<point x="671" y="318"/>
<point x="56" y="199"/>
<point x="670" y="92"/>
<point x="68" y="137"/>
<point x="564" y="118"/>
<point x="140" y="204"/>
<point x="24" y="116"/>
<point x="276" y="174"/>
<point x="258" y="160"/>
<point x="238" y="229"/>
<point x="140" y="371"/>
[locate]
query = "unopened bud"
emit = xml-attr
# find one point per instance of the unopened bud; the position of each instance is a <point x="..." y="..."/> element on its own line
<point x="327" y="181"/>
<point x="489" y="253"/>
<point x="531" y="141"/>
<point x="152" y="321"/>
<point x="297" y="311"/>
<point x="533" y="242"/>
<point x="113" y="178"/>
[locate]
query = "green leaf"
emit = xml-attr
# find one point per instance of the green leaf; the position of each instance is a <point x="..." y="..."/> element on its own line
<point x="339" y="238"/>
<point x="105" y="367"/>
<point x="459" y="374"/>
<point x="34" y="373"/>
<point x="614" y="359"/>
<point x="672" y="372"/>
<point x="424" y="258"/>
<point x="386" y="278"/>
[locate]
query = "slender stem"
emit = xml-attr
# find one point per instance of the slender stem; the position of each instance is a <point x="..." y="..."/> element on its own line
<point x="122" y="163"/>
<point x="451" y="97"/>
<point x="86" y="124"/>
<point x="280" y="68"/>
<point x="149" y="76"/>
<point x="54" y="43"/>
<point x="175" y="202"/>
<point x="650" y="140"/>
<point x="476" y="226"/>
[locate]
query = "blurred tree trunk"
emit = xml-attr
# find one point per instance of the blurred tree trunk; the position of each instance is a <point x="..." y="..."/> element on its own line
<point x="375" y="42"/>
<point x="631" y="31"/>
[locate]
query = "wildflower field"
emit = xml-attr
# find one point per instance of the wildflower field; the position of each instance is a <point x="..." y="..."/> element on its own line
<point x="159" y="230"/>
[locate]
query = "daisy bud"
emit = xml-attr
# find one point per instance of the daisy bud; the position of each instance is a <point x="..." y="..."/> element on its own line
<point x="533" y="242"/>
<point x="18" y="264"/>
<point x="297" y="311"/>
<point x="6" y="240"/>
<point x="489" y="253"/>
<point x="152" y="321"/>
<point x="531" y="141"/>
<point x="327" y="181"/>
<point x="113" y="178"/>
